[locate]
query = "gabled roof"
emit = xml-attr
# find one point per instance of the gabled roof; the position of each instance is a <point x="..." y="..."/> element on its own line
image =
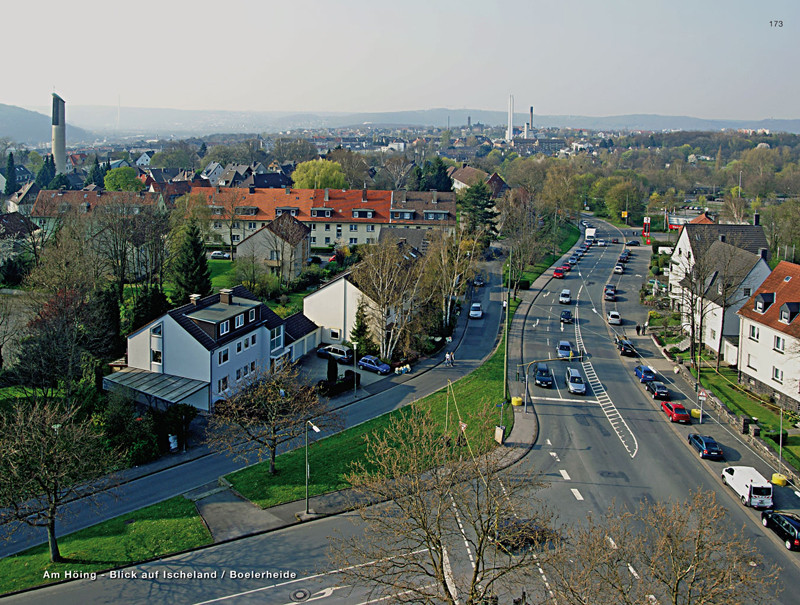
<point x="52" y="203"/>
<point x="29" y="191"/>
<point x="784" y="285"/>
<point x="181" y="315"/>
<point x="731" y="265"/>
<point x="14" y="224"/>
<point x="418" y="239"/>
<point x="296" y="326"/>
<point x="747" y="237"/>
<point x="469" y="175"/>
<point x="289" y="229"/>
<point x="702" y="219"/>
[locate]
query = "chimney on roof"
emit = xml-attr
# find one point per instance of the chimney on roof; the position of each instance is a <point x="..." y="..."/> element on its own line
<point x="722" y="237"/>
<point x="226" y="296"/>
<point x="756" y="219"/>
<point x="194" y="299"/>
<point x="434" y="197"/>
<point x="288" y="190"/>
<point x="762" y="252"/>
<point x="391" y="198"/>
<point x="327" y="195"/>
<point x="364" y="194"/>
<point x="218" y="189"/>
<point x="252" y="189"/>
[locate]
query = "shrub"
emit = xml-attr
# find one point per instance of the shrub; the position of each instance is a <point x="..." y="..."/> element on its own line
<point x="524" y="284"/>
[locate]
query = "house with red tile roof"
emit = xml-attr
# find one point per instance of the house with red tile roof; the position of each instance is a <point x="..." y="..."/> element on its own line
<point x="335" y="217"/>
<point x="769" y="337"/>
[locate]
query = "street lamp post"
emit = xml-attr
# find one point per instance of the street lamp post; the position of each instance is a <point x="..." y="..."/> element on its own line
<point x="355" y="369"/>
<point x="316" y="430"/>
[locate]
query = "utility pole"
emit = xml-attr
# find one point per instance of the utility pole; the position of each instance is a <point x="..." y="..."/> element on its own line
<point x="505" y="329"/>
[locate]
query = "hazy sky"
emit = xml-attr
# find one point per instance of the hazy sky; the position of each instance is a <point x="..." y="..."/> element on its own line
<point x="702" y="58"/>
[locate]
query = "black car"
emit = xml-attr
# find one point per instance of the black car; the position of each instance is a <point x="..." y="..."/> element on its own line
<point x="626" y="348"/>
<point x="785" y="524"/>
<point x="609" y="295"/>
<point x="633" y="242"/>
<point x="478" y="281"/>
<point x="706" y="446"/>
<point x="542" y="376"/>
<point x="566" y="317"/>
<point x="657" y="389"/>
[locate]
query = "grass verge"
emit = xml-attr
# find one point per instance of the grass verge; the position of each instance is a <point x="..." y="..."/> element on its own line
<point x="170" y="526"/>
<point x="330" y="458"/>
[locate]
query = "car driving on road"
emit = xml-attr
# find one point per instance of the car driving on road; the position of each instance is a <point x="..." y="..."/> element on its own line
<point x="644" y="373"/>
<point x="564" y="349"/>
<point x="475" y="311"/>
<point x="566" y="317"/>
<point x="619" y="269"/>
<point x="542" y="376"/>
<point x="626" y="347"/>
<point x="614" y="318"/>
<point x="575" y="383"/>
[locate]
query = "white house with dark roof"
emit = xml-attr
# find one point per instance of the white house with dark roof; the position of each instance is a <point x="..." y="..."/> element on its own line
<point x="201" y="352"/>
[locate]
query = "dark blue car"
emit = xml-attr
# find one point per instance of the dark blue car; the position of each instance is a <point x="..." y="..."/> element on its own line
<point x="373" y="364"/>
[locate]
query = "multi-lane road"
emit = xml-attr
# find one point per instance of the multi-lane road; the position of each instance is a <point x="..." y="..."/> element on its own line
<point x="610" y="446"/>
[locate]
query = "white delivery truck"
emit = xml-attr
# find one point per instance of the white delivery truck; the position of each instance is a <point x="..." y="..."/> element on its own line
<point x="589" y="235"/>
<point x="752" y="487"/>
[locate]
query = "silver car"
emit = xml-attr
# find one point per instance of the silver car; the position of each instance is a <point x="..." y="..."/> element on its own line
<point x="575" y="382"/>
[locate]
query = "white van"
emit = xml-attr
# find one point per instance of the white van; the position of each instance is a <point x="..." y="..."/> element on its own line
<point x="752" y="487"/>
<point x="565" y="297"/>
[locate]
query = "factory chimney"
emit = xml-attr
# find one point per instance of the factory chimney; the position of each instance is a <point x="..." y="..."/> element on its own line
<point x="59" y="144"/>
<point x="531" y="117"/>
<point x="510" y="131"/>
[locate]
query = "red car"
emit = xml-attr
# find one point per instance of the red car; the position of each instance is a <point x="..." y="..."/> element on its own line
<point x="565" y="268"/>
<point x="558" y="273"/>
<point x="676" y="412"/>
<point x="615" y="240"/>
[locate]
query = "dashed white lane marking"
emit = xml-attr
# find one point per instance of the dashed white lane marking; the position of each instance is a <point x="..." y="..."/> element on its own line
<point x="463" y="533"/>
<point x="555" y="457"/>
<point x="547" y="441"/>
<point x="633" y="571"/>
<point x="577" y="494"/>
<point x="796" y="493"/>
<point x="611" y="542"/>
<point x="565" y="474"/>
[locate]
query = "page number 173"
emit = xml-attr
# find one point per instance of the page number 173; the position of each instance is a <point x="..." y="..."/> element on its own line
<point x="776" y="23"/>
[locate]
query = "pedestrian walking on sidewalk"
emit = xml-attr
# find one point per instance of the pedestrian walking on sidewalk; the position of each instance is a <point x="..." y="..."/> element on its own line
<point x="452" y="359"/>
<point x="447" y="359"/>
<point x="638" y="329"/>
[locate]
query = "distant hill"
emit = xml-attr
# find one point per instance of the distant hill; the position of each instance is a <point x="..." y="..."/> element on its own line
<point x="32" y="128"/>
<point x="166" y="123"/>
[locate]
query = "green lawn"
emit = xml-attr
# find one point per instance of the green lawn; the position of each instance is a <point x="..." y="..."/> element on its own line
<point x="222" y="274"/>
<point x="330" y="459"/>
<point x="167" y="527"/>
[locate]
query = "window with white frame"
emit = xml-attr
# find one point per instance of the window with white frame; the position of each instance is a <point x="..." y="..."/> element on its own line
<point x="253" y="339"/>
<point x="748" y="292"/>
<point x="239" y="347"/>
<point x="327" y="227"/>
<point x="370" y="227"/>
<point x="780" y="344"/>
<point x="353" y="227"/>
<point x="353" y="241"/>
<point x="252" y="315"/>
<point x="327" y="240"/>
<point x="238" y="373"/>
<point x="240" y="320"/>
<point x="334" y="334"/>
<point x="785" y="316"/>
<point x="235" y="238"/>
<point x="276" y="338"/>
<point x="156" y="330"/>
<point x="312" y="226"/>
<point x="754" y="333"/>
<point x="750" y="362"/>
<point x="274" y="255"/>
<point x="155" y="356"/>
<point x="222" y="356"/>
<point x="252" y="366"/>
<point x="235" y="224"/>
<point x="251" y="225"/>
<point x="313" y="239"/>
<point x="777" y="375"/>
<point x="224" y="327"/>
<point x="222" y="384"/>
<point x="217" y="225"/>
<point x="713" y="334"/>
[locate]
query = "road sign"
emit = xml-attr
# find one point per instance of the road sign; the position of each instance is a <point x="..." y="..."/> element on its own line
<point x="646" y="220"/>
<point x="624" y="214"/>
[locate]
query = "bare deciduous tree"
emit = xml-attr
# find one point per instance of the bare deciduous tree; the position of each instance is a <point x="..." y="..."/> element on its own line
<point x="268" y="410"/>
<point x="451" y="257"/>
<point x="51" y="456"/>
<point x="436" y="493"/>
<point x="676" y="552"/>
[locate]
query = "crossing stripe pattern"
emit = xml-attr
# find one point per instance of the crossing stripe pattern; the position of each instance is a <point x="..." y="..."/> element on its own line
<point x="616" y="420"/>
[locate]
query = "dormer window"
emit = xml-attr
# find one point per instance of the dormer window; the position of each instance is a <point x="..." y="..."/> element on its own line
<point x="759" y="306"/>
<point x="240" y="320"/>
<point x="252" y="314"/>
<point x="321" y="212"/>
<point x="763" y="301"/>
<point x="224" y="327"/>
<point x="785" y="316"/>
<point x="789" y="311"/>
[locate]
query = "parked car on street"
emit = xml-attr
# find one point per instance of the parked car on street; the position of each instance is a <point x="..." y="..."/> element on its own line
<point x="478" y="281"/>
<point x="676" y="412"/>
<point x="785" y="524"/>
<point x="657" y="389"/>
<point x="373" y="364"/>
<point x="566" y="268"/>
<point x="476" y="311"/>
<point x="644" y="373"/>
<point x="619" y="269"/>
<point x="542" y="376"/>
<point x="750" y="485"/>
<point x="615" y="240"/>
<point x="339" y="353"/>
<point x="614" y="318"/>
<point x="558" y="273"/>
<point x="219" y="254"/>
<point x="633" y="242"/>
<point x="706" y="446"/>
<point x="626" y="347"/>
<point x="566" y="317"/>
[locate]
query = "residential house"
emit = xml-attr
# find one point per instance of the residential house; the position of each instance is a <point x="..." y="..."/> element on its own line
<point x="733" y="275"/>
<point x="336" y="217"/>
<point x="283" y="245"/>
<point x="769" y="337"/>
<point x="333" y="308"/>
<point x="22" y="201"/>
<point x="143" y="161"/>
<point x="75" y="161"/>
<point x="203" y="351"/>
<point x="123" y="163"/>
<point x="14" y="228"/>
<point x="212" y="172"/>
<point x="466" y="176"/>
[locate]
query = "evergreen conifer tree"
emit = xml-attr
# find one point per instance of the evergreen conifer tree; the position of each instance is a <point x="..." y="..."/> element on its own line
<point x="190" y="271"/>
<point x="203" y="150"/>
<point x="360" y="332"/>
<point x="46" y="173"/>
<point x="11" y="176"/>
<point x="477" y="204"/>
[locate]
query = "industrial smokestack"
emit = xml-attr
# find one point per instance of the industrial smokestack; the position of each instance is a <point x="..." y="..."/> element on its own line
<point x="59" y="141"/>
<point x="531" y="122"/>
<point x="510" y="131"/>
